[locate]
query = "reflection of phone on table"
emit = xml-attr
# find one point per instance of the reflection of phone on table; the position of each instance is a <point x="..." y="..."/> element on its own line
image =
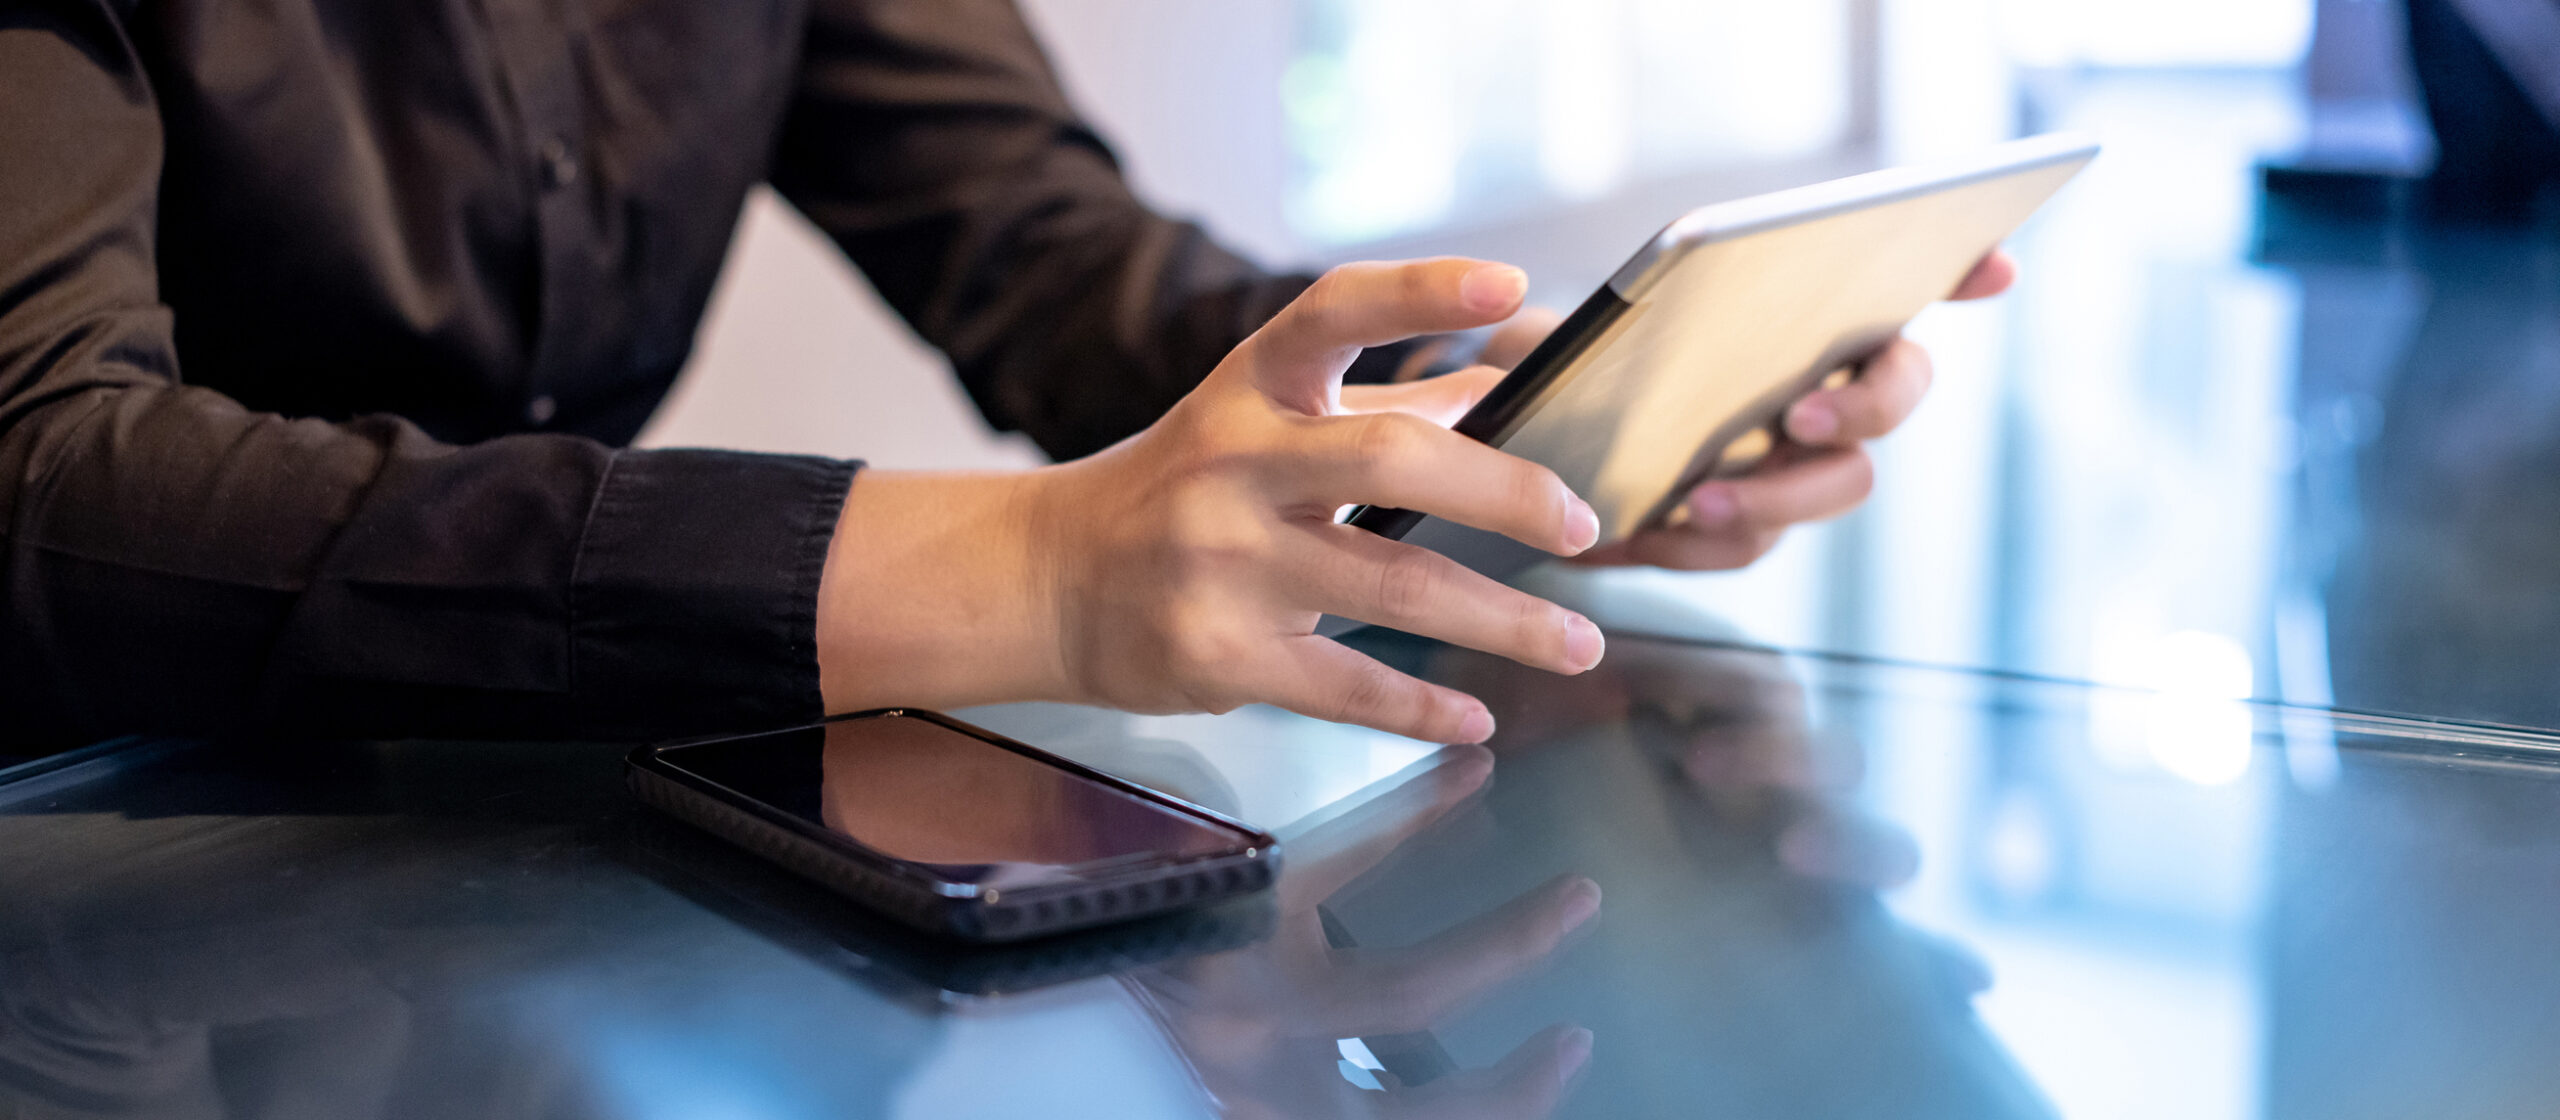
<point x="952" y="829"/>
<point x="1678" y="369"/>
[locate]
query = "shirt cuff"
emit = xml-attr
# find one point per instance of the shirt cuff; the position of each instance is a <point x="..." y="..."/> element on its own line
<point x="694" y="604"/>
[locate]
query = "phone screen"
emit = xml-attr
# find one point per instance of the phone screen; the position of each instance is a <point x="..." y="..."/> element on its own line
<point x="969" y="810"/>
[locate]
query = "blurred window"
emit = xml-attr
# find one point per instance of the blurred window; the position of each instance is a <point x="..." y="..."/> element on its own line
<point x="2156" y="33"/>
<point x="1404" y="114"/>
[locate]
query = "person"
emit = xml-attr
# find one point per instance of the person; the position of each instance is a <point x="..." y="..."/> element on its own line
<point x="323" y="326"/>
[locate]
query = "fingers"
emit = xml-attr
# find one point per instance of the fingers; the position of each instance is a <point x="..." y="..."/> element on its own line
<point x="1733" y="522"/>
<point x="1758" y="758"/>
<point x="1356" y="574"/>
<point x="1392" y="991"/>
<point x="1961" y="971"/>
<point x="1527" y="1084"/>
<point x="1323" y="678"/>
<point x="1300" y="353"/>
<point x="1405" y="462"/>
<point x="1884" y="394"/>
<point x="1512" y="341"/>
<point x="1888" y="388"/>
<point x="1443" y="400"/>
<point x="1809" y="489"/>
<point x="1990" y="277"/>
<point x="1841" y="846"/>
<point x="1685" y="548"/>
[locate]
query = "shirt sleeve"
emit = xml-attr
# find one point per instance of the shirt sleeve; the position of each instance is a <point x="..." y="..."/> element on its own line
<point x="171" y="561"/>
<point x="931" y="140"/>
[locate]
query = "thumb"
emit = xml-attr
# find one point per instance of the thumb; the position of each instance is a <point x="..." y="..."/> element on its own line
<point x="1298" y="357"/>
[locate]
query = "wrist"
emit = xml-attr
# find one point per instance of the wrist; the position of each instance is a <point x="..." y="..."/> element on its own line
<point x="940" y="593"/>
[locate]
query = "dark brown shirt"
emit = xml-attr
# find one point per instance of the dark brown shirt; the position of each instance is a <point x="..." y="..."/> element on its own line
<point x="322" y="323"/>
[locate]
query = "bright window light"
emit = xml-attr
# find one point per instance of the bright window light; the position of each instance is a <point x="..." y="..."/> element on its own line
<point x="2190" y="719"/>
<point x="2162" y="33"/>
<point x="1407" y="115"/>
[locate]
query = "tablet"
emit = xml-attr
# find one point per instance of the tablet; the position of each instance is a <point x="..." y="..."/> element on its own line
<point x="1680" y="367"/>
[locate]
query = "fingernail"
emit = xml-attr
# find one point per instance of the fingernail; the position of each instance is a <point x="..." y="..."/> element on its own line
<point x="1582" y="644"/>
<point x="1712" y="506"/>
<point x="1491" y="288"/>
<point x="1813" y="422"/>
<point x="1573" y="1051"/>
<point x="1581" y="527"/>
<point x="1581" y="905"/>
<point x="1477" y="728"/>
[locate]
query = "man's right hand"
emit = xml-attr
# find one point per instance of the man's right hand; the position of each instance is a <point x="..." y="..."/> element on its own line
<point x="1186" y="568"/>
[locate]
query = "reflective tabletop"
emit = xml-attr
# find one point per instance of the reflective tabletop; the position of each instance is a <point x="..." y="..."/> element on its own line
<point x="1825" y="887"/>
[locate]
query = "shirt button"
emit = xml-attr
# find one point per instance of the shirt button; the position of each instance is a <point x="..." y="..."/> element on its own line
<point x="559" y="164"/>
<point x="541" y="409"/>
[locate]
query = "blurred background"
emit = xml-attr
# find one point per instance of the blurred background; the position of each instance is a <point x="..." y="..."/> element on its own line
<point x="2220" y="442"/>
<point x="2273" y="413"/>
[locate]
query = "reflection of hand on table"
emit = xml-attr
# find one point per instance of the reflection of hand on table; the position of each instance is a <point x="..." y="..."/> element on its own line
<point x="1734" y="725"/>
<point x="196" y="1022"/>
<point x="1260" y="1026"/>
<point x="1749" y="963"/>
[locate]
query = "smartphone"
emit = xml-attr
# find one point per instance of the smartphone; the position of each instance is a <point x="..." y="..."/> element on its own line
<point x="952" y="829"/>
<point x="930" y="973"/>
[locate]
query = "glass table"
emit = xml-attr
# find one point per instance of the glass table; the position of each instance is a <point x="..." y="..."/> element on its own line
<point x="1829" y="887"/>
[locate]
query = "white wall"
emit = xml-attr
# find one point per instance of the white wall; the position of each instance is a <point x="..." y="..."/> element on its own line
<point x="798" y="354"/>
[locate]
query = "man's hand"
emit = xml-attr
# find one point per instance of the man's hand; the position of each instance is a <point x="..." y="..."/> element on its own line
<point x="1261" y="1025"/>
<point x="1819" y="471"/>
<point x="1186" y="568"/>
